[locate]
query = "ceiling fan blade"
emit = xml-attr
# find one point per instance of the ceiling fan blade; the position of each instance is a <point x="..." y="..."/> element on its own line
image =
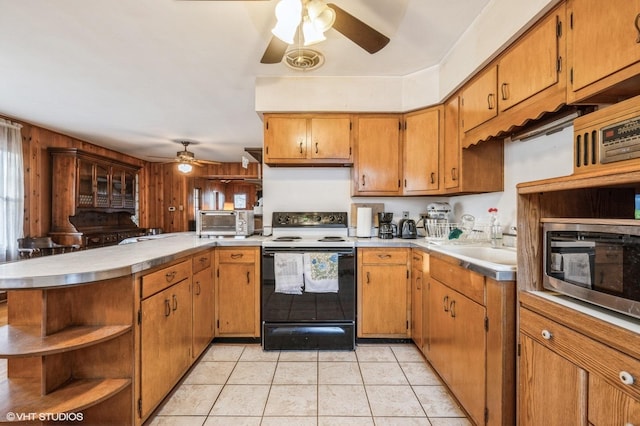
<point x="357" y="31"/>
<point x="274" y="52"/>
<point x="207" y="162"/>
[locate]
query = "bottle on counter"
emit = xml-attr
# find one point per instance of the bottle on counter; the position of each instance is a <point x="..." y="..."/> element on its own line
<point x="496" y="228"/>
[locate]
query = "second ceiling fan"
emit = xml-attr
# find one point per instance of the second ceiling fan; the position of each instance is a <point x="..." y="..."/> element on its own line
<point x="316" y="17"/>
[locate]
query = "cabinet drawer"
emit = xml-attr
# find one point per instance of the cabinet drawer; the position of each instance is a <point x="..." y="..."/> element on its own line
<point x="469" y="283"/>
<point x="159" y="280"/>
<point x="201" y="261"/>
<point x="235" y="255"/>
<point x="613" y="366"/>
<point x="384" y="256"/>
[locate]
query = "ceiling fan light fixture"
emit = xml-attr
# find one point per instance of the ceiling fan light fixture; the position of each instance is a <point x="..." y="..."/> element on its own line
<point x="321" y="15"/>
<point x="311" y="33"/>
<point x="185" y="168"/>
<point x="289" y="15"/>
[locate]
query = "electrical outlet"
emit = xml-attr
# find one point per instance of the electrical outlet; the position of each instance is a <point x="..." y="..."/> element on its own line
<point x="405" y="215"/>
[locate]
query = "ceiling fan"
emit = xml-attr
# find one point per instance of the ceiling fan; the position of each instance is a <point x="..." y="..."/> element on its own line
<point x="187" y="159"/>
<point x="316" y="17"/>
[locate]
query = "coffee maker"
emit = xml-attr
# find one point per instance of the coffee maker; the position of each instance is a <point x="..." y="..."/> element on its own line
<point x="386" y="229"/>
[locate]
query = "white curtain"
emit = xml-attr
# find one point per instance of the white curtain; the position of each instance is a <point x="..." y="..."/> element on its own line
<point x="11" y="190"/>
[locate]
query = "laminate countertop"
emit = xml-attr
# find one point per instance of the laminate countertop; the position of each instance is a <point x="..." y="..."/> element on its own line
<point x="144" y="253"/>
<point x="86" y="266"/>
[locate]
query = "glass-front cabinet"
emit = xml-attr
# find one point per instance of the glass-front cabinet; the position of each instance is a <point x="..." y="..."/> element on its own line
<point x="104" y="186"/>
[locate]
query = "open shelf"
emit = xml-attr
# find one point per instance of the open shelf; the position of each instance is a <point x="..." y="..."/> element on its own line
<point x="24" y="395"/>
<point x="23" y="341"/>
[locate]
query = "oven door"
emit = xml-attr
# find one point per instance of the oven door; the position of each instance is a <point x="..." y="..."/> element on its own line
<point x="309" y="320"/>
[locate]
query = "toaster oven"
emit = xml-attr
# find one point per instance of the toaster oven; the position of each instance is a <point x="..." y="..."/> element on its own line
<point x="224" y="223"/>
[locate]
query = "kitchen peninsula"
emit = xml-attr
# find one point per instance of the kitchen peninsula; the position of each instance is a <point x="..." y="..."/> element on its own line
<point x="87" y="330"/>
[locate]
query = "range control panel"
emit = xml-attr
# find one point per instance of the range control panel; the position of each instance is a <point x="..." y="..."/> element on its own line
<point x="310" y="219"/>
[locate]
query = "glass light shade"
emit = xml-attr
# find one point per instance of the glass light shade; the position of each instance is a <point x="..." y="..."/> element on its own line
<point x="289" y="14"/>
<point x="185" y="167"/>
<point x="321" y="15"/>
<point x="311" y="33"/>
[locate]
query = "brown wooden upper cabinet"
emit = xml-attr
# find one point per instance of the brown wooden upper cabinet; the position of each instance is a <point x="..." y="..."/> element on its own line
<point x="526" y="80"/>
<point x="604" y="46"/>
<point x="307" y="139"/>
<point x="378" y="165"/>
<point x="422" y="150"/>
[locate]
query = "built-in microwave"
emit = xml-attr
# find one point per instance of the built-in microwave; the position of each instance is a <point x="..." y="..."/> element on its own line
<point x="224" y="223"/>
<point x="594" y="260"/>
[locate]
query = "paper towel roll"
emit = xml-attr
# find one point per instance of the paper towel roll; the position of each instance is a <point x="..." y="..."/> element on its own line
<point x="363" y="227"/>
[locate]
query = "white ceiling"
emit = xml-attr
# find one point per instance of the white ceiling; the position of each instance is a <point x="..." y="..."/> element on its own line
<point x="138" y="75"/>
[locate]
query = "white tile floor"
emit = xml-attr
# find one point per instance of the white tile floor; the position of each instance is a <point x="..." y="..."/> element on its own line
<point x="377" y="384"/>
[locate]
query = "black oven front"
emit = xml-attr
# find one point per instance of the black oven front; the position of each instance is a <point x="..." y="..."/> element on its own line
<point x="309" y="320"/>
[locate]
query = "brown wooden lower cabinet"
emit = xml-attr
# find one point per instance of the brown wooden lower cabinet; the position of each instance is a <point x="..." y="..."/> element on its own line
<point x="471" y="338"/>
<point x="568" y="377"/>
<point x="383" y="293"/>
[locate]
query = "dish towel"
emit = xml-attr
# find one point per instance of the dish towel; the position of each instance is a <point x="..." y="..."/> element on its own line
<point x="288" y="272"/>
<point x="321" y="272"/>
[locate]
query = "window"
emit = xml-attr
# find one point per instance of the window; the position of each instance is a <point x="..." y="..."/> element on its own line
<point x="11" y="190"/>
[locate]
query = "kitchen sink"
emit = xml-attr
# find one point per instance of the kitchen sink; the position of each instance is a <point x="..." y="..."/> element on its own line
<point x="498" y="259"/>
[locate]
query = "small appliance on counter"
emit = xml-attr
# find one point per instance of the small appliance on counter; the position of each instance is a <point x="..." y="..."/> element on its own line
<point x="407" y="229"/>
<point x="386" y="229"/>
<point x="224" y="223"/>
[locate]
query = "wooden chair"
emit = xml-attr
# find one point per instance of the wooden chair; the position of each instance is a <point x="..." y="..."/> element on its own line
<point x="41" y="246"/>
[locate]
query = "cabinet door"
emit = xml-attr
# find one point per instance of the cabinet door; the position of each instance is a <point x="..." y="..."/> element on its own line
<point x="531" y="65"/>
<point x="479" y="101"/>
<point x="451" y="150"/>
<point x="468" y="355"/>
<point x="165" y="342"/>
<point x="417" y="287"/>
<point x="609" y="405"/>
<point x="440" y="329"/>
<point x="603" y="39"/>
<point x="330" y="138"/>
<point x="285" y="138"/>
<point x="86" y="188"/>
<point x="421" y="152"/>
<point x="203" y="310"/>
<point x="378" y="161"/>
<point x="117" y="188"/>
<point x="129" y="190"/>
<point x="552" y="390"/>
<point x="102" y="185"/>
<point x="384" y="301"/>
<point x="235" y="299"/>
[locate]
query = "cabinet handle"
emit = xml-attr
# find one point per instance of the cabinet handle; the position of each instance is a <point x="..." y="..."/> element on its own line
<point x="454" y="173"/>
<point x="418" y="283"/>
<point x="546" y="335"/>
<point x="248" y="277"/>
<point x="504" y="88"/>
<point x="433" y="177"/>
<point x="236" y="255"/>
<point x="445" y="303"/>
<point x="175" y="302"/>
<point x="198" y="288"/>
<point x="300" y="147"/>
<point x="368" y="280"/>
<point x="170" y="276"/>
<point x="637" y="24"/>
<point x="316" y="147"/>
<point x="626" y="378"/>
<point x="363" y="181"/>
<point x="203" y="260"/>
<point x="384" y="256"/>
<point x="490" y="101"/>
<point x="167" y="308"/>
<point x="452" y="308"/>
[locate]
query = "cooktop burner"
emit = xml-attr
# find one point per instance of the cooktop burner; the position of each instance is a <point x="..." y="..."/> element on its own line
<point x="286" y="238"/>
<point x="331" y="239"/>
